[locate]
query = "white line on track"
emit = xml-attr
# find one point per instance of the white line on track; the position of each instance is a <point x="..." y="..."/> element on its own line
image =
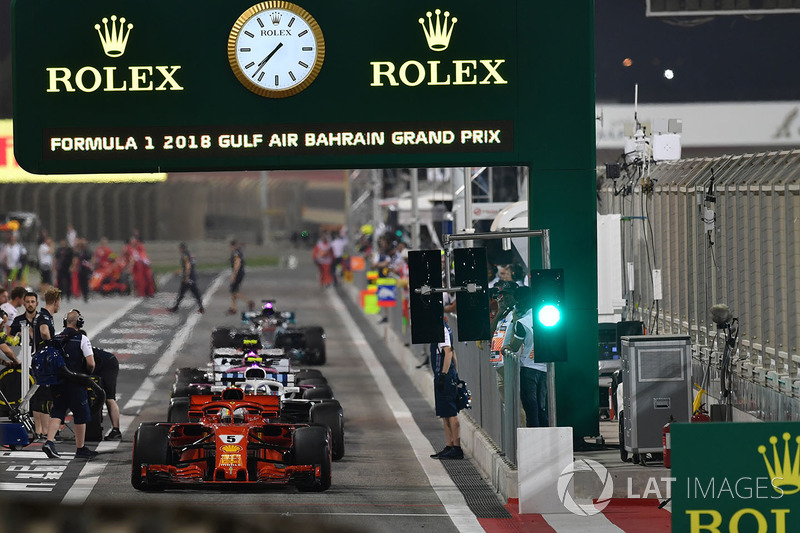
<point x="111" y="319"/>
<point x="88" y="477"/>
<point x="440" y="480"/>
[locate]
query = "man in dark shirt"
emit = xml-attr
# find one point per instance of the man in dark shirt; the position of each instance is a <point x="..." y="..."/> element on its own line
<point x="63" y="258"/>
<point x="43" y="326"/>
<point x="445" y="367"/>
<point x="40" y="401"/>
<point x="188" y="279"/>
<point x="107" y="367"/>
<point x="237" y="276"/>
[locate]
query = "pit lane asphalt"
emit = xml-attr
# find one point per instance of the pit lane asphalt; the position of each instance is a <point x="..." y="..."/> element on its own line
<point x="378" y="486"/>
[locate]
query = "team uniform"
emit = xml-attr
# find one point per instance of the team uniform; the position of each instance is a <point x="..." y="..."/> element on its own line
<point x="43" y="317"/>
<point x="106" y="366"/>
<point x="444" y="390"/>
<point x="67" y="395"/>
<point x="40" y="401"/>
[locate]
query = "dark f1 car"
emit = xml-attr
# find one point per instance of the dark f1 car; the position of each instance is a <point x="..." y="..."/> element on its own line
<point x="234" y="439"/>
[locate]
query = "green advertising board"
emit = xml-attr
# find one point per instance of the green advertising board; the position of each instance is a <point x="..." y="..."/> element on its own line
<point x="736" y="477"/>
<point x="179" y="86"/>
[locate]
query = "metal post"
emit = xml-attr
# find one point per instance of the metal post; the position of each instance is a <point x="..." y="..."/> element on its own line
<point x="551" y="367"/>
<point x="264" y="190"/>
<point x="25" y="359"/>
<point x="415" y="209"/>
<point x="468" y="221"/>
<point x="376" y="208"/>
<point x="511" y="401"/>
<point x="348" y="215"/>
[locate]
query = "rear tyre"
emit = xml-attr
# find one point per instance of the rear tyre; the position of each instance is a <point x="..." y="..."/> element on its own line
<point x="320" y="392"/>
<point x="330" y="414"/>
<point x="307" y="373"/>
<point x="178" y="410"/>
<point x="312" y="447"/>
<point x="150" y="447"/>
<point x="315" y="344"/>
<point x="221" y="338"/>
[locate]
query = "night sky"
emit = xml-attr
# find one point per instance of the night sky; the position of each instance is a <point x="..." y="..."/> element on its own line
<point x="719" y="59"/>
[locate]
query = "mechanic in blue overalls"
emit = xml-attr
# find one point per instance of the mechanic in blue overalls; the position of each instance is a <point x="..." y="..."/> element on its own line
<point x="67" y="395"/>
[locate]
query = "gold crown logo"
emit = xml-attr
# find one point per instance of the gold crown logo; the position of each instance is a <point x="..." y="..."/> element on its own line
<point x="275" y="17"/>
<point x="785" y="476"/>
<point x="115" y="40"/>
<point x="438" y="36"/>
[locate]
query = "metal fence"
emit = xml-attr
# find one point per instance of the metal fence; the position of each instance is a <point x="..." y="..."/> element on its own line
<point x="733" y="240"/>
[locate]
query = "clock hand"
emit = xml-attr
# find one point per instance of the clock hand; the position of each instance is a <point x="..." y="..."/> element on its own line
<point x="264" y="61"/>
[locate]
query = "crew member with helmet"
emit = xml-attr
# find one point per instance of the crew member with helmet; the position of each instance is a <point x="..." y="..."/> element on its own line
<point x="502" y="325"/>
<point x="68" y="395"/>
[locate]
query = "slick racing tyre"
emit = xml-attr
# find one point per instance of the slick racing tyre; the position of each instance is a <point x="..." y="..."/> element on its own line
<point x="150" y="447"/>
<point x="330" y="414"/>
<point x="178" y="410"/>
<point x="307" y="373"/>
<point x="312" y="447"/>
<point x="315" y="344"/>
<point x="221" y="338"/>
<point x="320" y="392"/>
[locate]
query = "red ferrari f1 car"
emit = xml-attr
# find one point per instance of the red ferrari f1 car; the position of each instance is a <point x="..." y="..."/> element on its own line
<point x="239" y="439"/>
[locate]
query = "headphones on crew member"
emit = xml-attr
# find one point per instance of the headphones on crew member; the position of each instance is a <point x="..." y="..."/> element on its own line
<point x="79" y="324"/>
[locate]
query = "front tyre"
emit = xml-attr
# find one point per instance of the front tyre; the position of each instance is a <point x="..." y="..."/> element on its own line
<point x="312" y="447"/>
<point x="150" y="447"/>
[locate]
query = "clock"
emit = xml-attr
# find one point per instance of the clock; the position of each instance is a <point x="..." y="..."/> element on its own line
<point x="276" y="49"/>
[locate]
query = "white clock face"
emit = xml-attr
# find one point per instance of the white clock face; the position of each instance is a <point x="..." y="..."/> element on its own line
<point x="276" y="49"/>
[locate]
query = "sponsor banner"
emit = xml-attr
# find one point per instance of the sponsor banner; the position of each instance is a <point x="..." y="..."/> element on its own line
<point x="736" y="477"/>
<point x="746" y="124"/>
<point x="10" y="171"/>
<point x="115" y="87"/>
<point x="387" y="292"/>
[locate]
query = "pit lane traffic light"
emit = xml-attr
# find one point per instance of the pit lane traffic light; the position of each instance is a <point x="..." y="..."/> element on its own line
<point x="549" y="331"/>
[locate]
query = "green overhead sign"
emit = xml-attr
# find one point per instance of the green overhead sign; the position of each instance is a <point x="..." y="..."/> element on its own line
<point x="149" y="85"/>
<point x="239" y="85"/>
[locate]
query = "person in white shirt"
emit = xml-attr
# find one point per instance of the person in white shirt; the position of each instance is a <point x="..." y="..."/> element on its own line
<point x="338" y="244"/>
<point x="532" y="375"/>
<point x="14" y="254"/>
<point x="11" y="302"/>
<point x="45" y="252"/>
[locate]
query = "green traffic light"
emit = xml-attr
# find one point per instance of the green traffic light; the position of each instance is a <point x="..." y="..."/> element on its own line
<point x="549" y="315"/>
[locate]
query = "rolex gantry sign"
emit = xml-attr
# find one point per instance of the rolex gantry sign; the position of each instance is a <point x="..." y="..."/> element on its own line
<point x="145" y="85"/>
